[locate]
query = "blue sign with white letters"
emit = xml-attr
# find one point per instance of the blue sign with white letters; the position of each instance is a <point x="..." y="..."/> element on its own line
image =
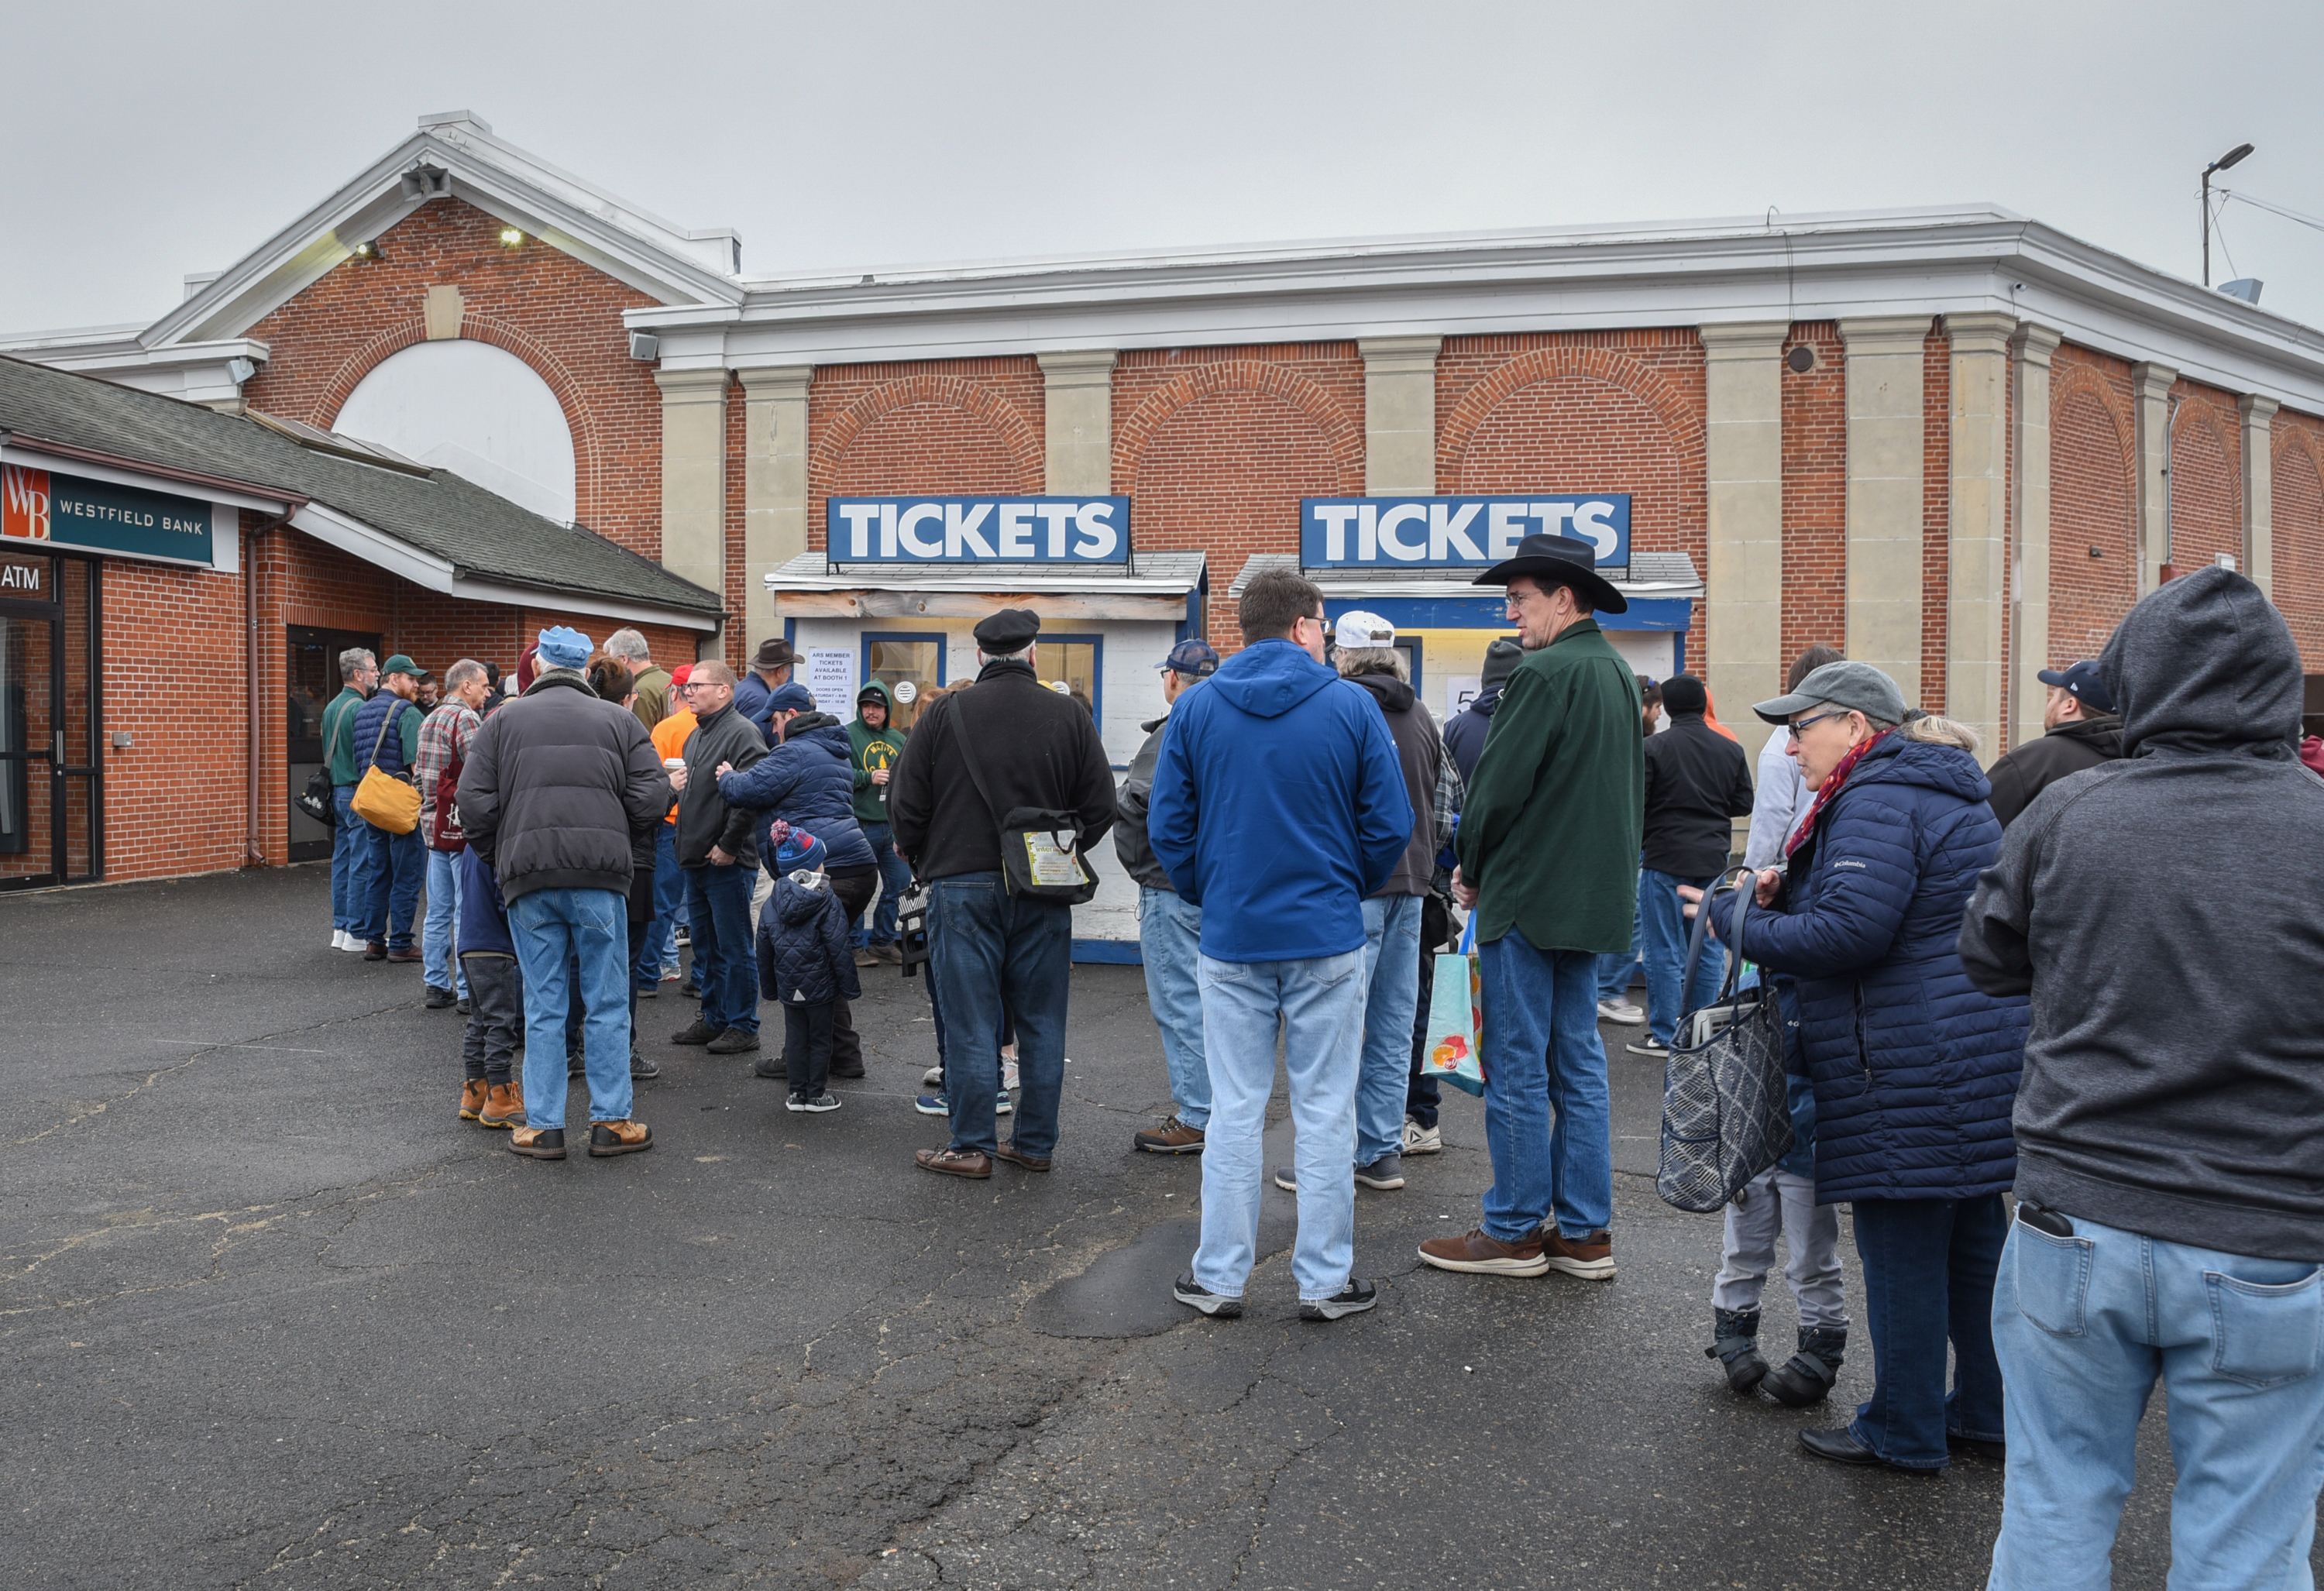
<point x="1028" y="529"/>
<point x="1456" y="533"/>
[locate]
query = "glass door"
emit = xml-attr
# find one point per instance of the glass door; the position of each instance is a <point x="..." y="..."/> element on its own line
<point x="51" y="807"/>
<point x="314" y="669"/>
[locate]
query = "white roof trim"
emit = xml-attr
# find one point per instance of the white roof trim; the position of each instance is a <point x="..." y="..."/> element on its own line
<point x="1172" y="573"/>
<point x="1387" y="584"/>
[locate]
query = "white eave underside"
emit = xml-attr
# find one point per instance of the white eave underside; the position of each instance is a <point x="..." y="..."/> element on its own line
<point x="1155" y="574"/>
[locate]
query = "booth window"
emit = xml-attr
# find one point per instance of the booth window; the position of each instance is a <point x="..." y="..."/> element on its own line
<point x="1076" y="660"/>
<point x="894" y="659"/>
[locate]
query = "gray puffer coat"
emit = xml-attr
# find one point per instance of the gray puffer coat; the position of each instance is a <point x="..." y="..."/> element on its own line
<point x="558" y="787"/>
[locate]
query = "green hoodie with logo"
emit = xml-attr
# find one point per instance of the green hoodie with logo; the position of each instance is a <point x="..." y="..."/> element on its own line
<point x="874" y="749"/>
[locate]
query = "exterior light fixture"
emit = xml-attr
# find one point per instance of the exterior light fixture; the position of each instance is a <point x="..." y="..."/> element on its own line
<point x="368" y="249"/>
<point x="511" y="238"/>
<point x="2222" y="164"/>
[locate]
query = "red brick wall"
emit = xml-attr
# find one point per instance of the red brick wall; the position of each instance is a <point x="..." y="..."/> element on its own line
<point x="1936" y="512"/>
<point x="1217" y="446"/>
<point x="2297" y="517"/>
<point x="174" y="664"/>
<point x="2206" y="478"/>
<point x="1614" y="412"/>
<point x="561" y="317"/>
<point x="2093" y="501"/>
<point x="1815" y="492"/>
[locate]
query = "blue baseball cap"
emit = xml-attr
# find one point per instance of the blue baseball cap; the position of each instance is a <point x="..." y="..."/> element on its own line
<point x="1195" y="658"/>
<point x="790" y="696"/>
<point x="2081" y="681"/>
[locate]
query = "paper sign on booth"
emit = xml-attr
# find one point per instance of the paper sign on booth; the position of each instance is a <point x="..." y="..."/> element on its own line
<point x="831" y="677"/>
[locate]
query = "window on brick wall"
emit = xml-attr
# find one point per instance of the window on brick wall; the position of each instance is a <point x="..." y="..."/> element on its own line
<point x="474" y="410"/>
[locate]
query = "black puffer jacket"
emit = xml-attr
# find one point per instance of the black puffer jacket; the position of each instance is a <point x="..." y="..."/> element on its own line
<point x="804" y="956"/>
<point x="558" y="788"/>
<point x="2073" y="746"/>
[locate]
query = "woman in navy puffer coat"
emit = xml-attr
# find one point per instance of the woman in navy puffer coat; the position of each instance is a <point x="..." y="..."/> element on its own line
<point x="1915" y="1070"/>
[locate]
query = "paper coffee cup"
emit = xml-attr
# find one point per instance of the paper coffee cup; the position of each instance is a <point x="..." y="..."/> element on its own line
<point x="672" y="764"/>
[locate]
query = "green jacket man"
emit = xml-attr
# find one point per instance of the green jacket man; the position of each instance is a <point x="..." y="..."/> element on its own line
<point x="878" y="743"/>
<point x="339" y="735"/>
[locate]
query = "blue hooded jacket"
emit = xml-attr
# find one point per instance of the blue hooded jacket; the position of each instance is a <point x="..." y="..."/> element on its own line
<point x="807" y="779"/>
<point x="483" y="915"/>
<point x="1277" y="806"/>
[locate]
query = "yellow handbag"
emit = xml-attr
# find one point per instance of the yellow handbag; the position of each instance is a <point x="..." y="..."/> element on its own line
<point x="386" y="801"/>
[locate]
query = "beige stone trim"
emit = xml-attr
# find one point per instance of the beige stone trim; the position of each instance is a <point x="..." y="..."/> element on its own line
<point x="694" y="479"/>
<point x="2029" y="630"/>
<point x="1400" y="414"/>
<point x="1078" y="400"/>
<point x="2259" y="489"/>
<point x="774" y="486"/>
<point x="2152" y="384"/>
<point x="441" y="311"/>
<point x="1884" y="375"/>
<point x="1978" y="526"/>
<point x="1743" y="467"/>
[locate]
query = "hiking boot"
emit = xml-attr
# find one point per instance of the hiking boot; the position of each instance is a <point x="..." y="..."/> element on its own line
<point x="1172" y="1137"/>
<point x="374" y="950"/>
<point x="865" y="958"/>
<point x="1477" y="1252"/>
<point x="773" y="1069"/>
<point x="642" y="1070"/>
<point x="1218" y="1306"/>
<point x="472" y="1100"/>
<point x="504" y="1106"/>
<point x="1734" y="1344"/>
<point x="537" y="1143"/>
<point x="438" y="998"/>
<point x="1386" y="1174"/>
<point x="1592" y="1258"/>
<point x="1422" y="1140"/>
<point x="697" y="1031"/>
<point x="734" y="1041"/>
<point x="889" y="952"/>
<point x="1031" y="1163"/>
<point x="953" y="1162"/>
<point x="619" y="1137"/>
<point x="407" y="953"/>
<point x="1353" y="1299"/>
<point x="815" y="1104"/>
<point x="1808" y="1374"/>
<point x="464" y="1006"/>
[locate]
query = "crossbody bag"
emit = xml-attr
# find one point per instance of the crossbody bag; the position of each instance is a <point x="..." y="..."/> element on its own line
<point x="1040" y="847"/>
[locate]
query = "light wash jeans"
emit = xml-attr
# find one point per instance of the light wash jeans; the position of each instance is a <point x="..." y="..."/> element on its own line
<point x="555" y="930"/>
<point x="2084" y="1325"/>
<point x="1780" y="1201"/>
<point x="346" y="843"/>
<point x="1662" y="931"/>
<point x="439" y="963"/>
<point x="1392" y="988"/>
<point x="1542" y="1002"/>
<point x="1170" y="936"/>
<point x="1317" y="1002"/>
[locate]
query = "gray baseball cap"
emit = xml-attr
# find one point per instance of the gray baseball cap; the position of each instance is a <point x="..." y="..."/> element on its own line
<point x="1844" y="683"/>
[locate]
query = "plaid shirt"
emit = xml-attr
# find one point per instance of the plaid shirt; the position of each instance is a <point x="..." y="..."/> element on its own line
<point x="1450" y="791"/>
<point x="444" y="737"/>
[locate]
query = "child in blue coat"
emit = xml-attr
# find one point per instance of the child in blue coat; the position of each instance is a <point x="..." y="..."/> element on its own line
<point x="805" y="964"/>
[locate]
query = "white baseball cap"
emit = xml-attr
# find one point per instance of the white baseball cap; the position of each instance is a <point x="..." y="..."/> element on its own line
<point x="1357" y="628"/>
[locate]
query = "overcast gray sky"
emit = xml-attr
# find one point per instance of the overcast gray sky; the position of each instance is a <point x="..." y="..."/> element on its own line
<point x="148" y="140"/>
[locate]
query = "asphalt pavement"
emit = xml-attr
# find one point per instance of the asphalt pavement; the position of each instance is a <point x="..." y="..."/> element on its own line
<point x="273" y="1316"/>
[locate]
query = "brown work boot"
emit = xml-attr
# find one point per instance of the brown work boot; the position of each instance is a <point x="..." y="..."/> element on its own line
<point x="472" y="1100"/>
<point x="1474" y="1251"/>
<point x="406" y="954"/>
<point x="537" y="1143"/>
<point x="1592" y="1258"/>
<point x="1172" y="1137"/>
<point x="619" y="1137"/>
<point x="504" y="1106"/>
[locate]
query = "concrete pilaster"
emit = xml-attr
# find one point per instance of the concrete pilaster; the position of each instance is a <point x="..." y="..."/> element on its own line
<point x="2259" y="490"/>
<point x="1743" y="459"/>
<point x="1978" y="528"/>
<point x="2029" y="632"/>
<point x="1400" y="414"/>
<point x="1884" y="441"/>
<point x="1078" y="400"/>
<point x="2152" y="384"/>
<point x="774" y="486"/>
<point x="694" y="479"/>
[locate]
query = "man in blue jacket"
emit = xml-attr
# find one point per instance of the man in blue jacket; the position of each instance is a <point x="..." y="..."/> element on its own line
<point x="1294" y="770"/>
<point x="389" y="867"/>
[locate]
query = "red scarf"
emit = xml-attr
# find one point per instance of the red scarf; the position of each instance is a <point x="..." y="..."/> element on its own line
<point x="1832" y="783"/>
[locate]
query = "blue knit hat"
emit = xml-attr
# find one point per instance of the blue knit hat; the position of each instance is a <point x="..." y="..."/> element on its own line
<point x="563" y="646"/>
<point x="799" y="851"/>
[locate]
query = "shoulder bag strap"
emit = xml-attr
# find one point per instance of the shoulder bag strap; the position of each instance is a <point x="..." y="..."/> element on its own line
<point x="380" y="739"/>
<point x="968" y="753"/>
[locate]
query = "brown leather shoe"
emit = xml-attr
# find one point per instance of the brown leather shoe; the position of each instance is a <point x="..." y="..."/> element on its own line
<point x="472" y="1100"/>
<point x="1172" y="1137"/>
<point x="619" y="1137"/>
<point x="1031" y="1163"/>
<point x="504" y="1106"/>
<point x="537" y="1143"/>
<point x="407" y="953"/>
<point x="1592" y="1258"/>
<point x="953" y="1162"/>
<point x="1474" y="1251"/>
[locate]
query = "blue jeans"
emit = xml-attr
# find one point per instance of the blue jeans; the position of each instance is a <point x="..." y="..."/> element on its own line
<point x="1662" y="928"/>
<point x="1317" y="1002"/>
<point x="437" y="962"/>
<point x="1616" y="972"/>
<point x="2084" y="1325"/>
<point x="346" y="840"/>
<point x="1169" y="935"/>
<point x="895" y="878"/>
<point x="995" y="951"/>
<point x="388" y="870"/>
<point x="668" y="902"/>
<point x="1540" y="1002"/>
<point x="1928" y="1276"/>
<point x="725" y="961"/>
<point x="556" y="932"/>
<point x="1392" y="985"/>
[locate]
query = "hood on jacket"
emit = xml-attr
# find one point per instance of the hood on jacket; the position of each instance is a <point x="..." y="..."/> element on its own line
<point x="1935" y="753"/>
<point x="2205" y="664"/>
<point x="799" y="895"/>
<point x="876" y="688"/>
<point x="807" y="725"/>
<point x="1485" y="700"/>
<point x="1269" y="679"/>
<point x="1394" y="695"/>
<point x="2104" y="733"/>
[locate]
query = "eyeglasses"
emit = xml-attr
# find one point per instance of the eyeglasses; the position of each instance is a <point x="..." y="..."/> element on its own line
<point x="1794" y="728"/>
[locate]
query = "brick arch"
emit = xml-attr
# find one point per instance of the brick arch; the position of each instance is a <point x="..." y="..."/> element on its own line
<point x="2296" y="475"/>
<point x="1027" y="449"/>
<point x="1343" y="440"/>
<point x="1679" y="418"/>
<point x="2093" y="502"/>
<point x="509" y="339"/>
<point x="2082" y="381"/>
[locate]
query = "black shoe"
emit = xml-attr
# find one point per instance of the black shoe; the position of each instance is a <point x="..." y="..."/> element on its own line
<point x="852" y="1073"/>
<point x="813" y="1104"/>
<point x="690" y="989"/>
<point x="649" y="991"/>
<point x="1996" y="1451"/>
<point x="465" y="1007"/>
<point x="1840" y="1445"/>
<point x="1353" y="1299"/>
<point x="772" y="1071"/>
<point x="697" y="1031"/>
<point x="1734" y="1344"/>
<point x="1196" y="1296"/>
<point x="1808" y="1374"/>
<point x="438" y="998"/>
<point x="576" y="1065"/>
<point x="734" y="1041"/>
<point x="642" y="1070"/>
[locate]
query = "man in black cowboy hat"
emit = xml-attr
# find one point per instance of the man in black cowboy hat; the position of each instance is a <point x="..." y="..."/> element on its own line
<point x="1548" y="847"/>
<point x="770" y="666"/>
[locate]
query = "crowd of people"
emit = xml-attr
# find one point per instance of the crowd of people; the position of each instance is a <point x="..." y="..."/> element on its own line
<point x="2027" y="978"/>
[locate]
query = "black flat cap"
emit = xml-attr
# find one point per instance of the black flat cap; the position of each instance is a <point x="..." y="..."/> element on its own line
<point x="1011" y="629"/>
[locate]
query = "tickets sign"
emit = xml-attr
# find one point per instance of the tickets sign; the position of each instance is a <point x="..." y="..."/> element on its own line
<point x="97" y="516"/>
<point x="1456" y="533"/>
<point x="975" y="530"/>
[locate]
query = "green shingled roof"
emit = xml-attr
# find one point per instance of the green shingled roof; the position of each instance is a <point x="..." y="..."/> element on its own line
<point x="480" y="535"/>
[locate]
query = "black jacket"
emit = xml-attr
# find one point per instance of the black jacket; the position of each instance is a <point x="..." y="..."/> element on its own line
<point x="2164" y="912"/>
<point x="2034" y="767"/>
<point x="1420" y="755"/>
<point x="1698" y="782"/>
<point x="1036" y="747"/>
<point x="1130" y="842"/>
<point x="706" y="818"/>
<point x="561" y="791"/>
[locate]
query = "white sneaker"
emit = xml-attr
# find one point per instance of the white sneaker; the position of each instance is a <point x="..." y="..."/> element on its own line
<point x="1621" y="1011"/>
<point x="339" y="939"/>
<point x="1421" y="1140"/>
<point x="1008" y="1074"/>
<point x="933" y="1078"/>
<point x="353" y="941"/>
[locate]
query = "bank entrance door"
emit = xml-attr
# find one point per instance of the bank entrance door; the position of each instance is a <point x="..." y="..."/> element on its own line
<point x="52" y="770"/>
<point x="314" y="656"/>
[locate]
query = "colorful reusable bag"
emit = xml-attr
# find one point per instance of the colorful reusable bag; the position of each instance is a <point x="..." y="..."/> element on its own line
<point x="1456" y="1018"/>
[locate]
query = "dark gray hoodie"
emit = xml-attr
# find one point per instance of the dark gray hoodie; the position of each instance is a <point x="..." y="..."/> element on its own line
<point x="2166" y="913"/>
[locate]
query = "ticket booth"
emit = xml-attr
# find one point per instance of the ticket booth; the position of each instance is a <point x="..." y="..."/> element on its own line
<point x="897" y="597"/>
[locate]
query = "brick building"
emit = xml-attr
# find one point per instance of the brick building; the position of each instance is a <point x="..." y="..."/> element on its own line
<point x="1957" y="442"/>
